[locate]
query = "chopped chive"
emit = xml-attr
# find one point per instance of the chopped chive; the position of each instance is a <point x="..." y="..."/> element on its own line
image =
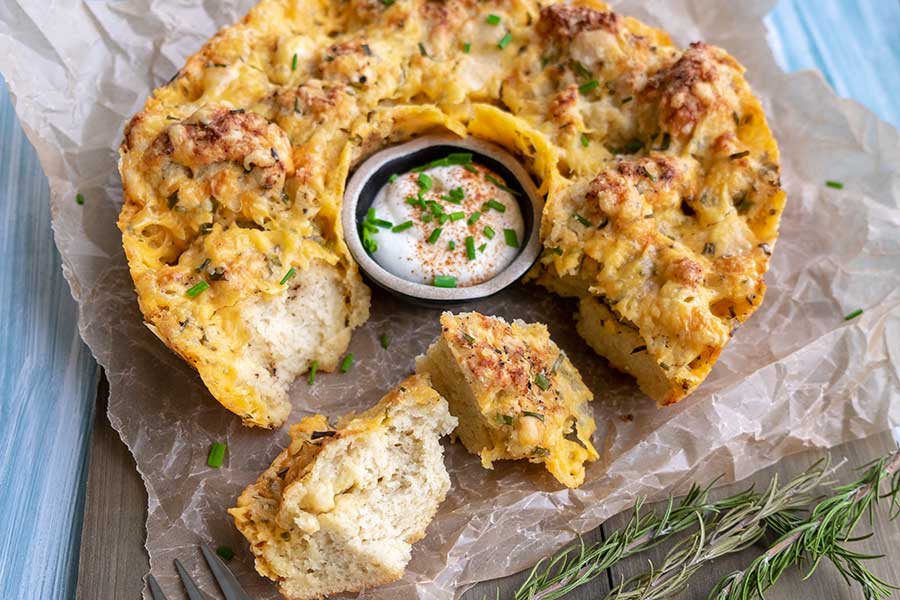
<point x="370" y="214"/>
<point x="505" y="419"/>
<point x="291" y="272"/>
<point x="470" y="168"/>
<point x="542" y="382"/>
<point x="435" y="234"/>
<point x="456" y="216"/>
<point x="425" y="182"/>
<point x="196" y="290"/>
<point x="536" y="415"/>
<point x="585" y="140"/>
<point x="738" y="155"/>
<point x="382" y="223"/>
<point x="468" y="337"/>
<point x="294" y="63"/>
<point x="445" y="281"/>
<point x="504" y="41"/>
<point x="451" y="245"/>
<point x="402" y="226"/>
<point x="540" y="451"/>
<point x="512" y="238"/>
<point x="473" y="218"/>
<point x="79" y="199"/>
<point x="587" y="88"/>
<point x="216" y="456"/>
<point x="582" y="220"/>
<point x="456" y="195"/>
<point x="482" y="247"/>
<point x="225" y="552"/>
<point x="500" y="185"/>
<point x="388" y="2"/>
<point x="443" y="218"/>
<point x="203" y="265"/>
<point x="835" y="184"/>
<point x="854" y="314"/>
<point x="394" y="177"/>
<point x="492" y="20"/>
<point x="467" y="47"/>
<point x="632" y="146"/>
<point x="426" y="217"/>
<point x="313" y="369"/>
<point x="470" y="247"/>
<point x="454" y="158"/>
<point x="498" y="206"/>
<point x="422" y="49"/>
<point x="384" y="341"/>
<point x="489" y="233"/>
<point x="347" y="362"/>
<point x="580" y="69"/>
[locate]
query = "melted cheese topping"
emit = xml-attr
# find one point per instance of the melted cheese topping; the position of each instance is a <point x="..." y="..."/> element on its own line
<point x="241" y="160"/>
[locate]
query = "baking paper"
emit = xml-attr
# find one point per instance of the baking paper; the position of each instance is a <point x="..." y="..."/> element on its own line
<point x="795" y="376"/>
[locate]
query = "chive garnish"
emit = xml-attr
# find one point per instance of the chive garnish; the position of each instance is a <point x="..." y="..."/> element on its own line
<point x="422" y="49"/>
<point x="500" y="185"/>
<point x="580" y="69"/>
<point x="470" y="168"/>
<point x="473" y="218"/>
<point x="393" y="178"/>
<point x="498" y="206"/>
<point x="504" y="41"/>
<point x="854" y="314"/>
<point x="585" y="140"/>
<point x="294" y="63"/>
<point x="456" y="195"/>
<point x="426" y="217"/>
<point x="445" y="281"/>
<point x="540" y="451"/>
<point x="384" y="341"/>
<point x="835" y="184"/>
<point x="482" y="247"/>
<point x="489" y="233"/>
<point x="402" y="226"/>
<point x="435" y="234"/>
<point x="470" y="247"/>
<point x="425" y="182"/>
<point x="492" y="20"/>
<point x="347" y="362"/>
<point x="79" y="199"/>
<point x="587" y="88"/>
<point x="542" y="382"/>
<point x="388" y="2"/>
<point x="632" y="146"/>
<point x="451" y="245"/>
<point x="512" y="239"/>
<point x="216" y="456"/>
<point x="443" y="218"/>
<point x="535" y="415"/>
<point x="196" y="290"/>
<point x="505" y="419"/>
<point x="225" y="552"/>
<point x="456" y="216"/>
<point x="291" y="272"/>
<point x="454" y="158"/>
<point x="313" y="369"/>
<point x="467" y="47"/>
<point x="738" y="155"/>
<point x="582" y="220"/>
<point x="382" y="223"/>
<point x="468" y="337"/>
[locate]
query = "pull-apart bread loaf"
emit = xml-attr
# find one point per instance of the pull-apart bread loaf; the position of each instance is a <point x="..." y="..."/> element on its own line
<point x="515" y="393"/>
<point x="661" y="176"/>
<point x="340" y="507"/>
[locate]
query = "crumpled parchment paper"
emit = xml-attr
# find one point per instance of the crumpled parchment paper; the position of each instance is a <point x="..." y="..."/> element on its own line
<point x="796" y="376"/>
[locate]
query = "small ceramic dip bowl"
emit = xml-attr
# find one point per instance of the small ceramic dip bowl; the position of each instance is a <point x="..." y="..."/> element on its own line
<point x="373" y="174"/>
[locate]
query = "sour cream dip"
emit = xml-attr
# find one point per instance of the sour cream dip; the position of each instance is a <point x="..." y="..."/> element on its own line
<point x="452" y="224"/>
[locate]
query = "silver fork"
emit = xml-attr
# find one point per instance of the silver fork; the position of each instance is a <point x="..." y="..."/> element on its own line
<point x="226" y="580"/>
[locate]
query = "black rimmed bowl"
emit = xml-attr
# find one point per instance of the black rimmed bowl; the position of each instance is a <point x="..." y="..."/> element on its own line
<point x="373" y="174"/>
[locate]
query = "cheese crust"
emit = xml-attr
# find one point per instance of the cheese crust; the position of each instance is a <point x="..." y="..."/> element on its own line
<point x="515" y="393"/>
<point x="661" y="175"/>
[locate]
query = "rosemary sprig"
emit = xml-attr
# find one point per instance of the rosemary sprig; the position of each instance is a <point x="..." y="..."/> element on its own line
<point x="739" y="514"/>
<point x="740" y="522"/>
<point x="829" y="525"/>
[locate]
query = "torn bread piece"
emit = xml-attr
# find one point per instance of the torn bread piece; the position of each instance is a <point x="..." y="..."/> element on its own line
<point x="340" y="507"/>
<point x="516" y="394"/>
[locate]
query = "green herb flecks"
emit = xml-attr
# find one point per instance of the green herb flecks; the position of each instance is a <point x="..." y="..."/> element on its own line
<point x="505" y="419"/>
<point x="383" y="339"/>
<point x="542" y="382"/>
<point x="535" y="415"/>
<point x="454" y="158"/>
<point x="445" y="281"/>
<point x="347" y="362"/>
<point x="467" y="47"/>
<point x="290" y="273"/>
<point x="854" y="314"/>
<point x="435" y="234"/>
<point x="197" y="289"/>
<point x="216" y="456"/>
<point x="313" y="369"/>
<point x="582" y="220"/>
<point x="488" y="233"/>
<point x="473" y="218"/>
<point x="470" y="247"/>
<point x="294" y="63"/>
<point x="586" y="88"/>
<point x="585" y="140"/>
<point x="512" y="238"/>
<point x="494" y="204"/>
<point x="402" y="226"/>
<point x="79" y="199"/>
<point x="497" y="183"/>
<point x="504" y="41"/>
<point x="492" y="20"/>
<point x="225" y="552"/>
<point x="835" y="185"/>
<point x="394" y="177"/>
<point x="425" y="182"/>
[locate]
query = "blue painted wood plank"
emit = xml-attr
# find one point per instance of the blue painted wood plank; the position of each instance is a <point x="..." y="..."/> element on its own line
<point x="48" y="384"/>
<point x="47" y="377"/>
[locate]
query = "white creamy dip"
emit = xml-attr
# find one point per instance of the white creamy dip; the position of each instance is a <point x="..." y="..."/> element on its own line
<point x="480" y="226"/>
